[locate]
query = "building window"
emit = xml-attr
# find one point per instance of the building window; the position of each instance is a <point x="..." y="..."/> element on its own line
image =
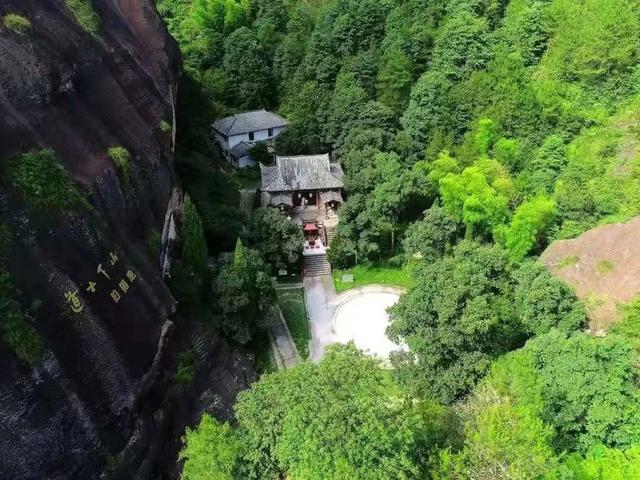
<point x="252" y="136"/>
<point x="271" y="132"/>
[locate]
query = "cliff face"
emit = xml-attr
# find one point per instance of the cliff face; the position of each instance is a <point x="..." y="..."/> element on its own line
<point x="103" y="313"/>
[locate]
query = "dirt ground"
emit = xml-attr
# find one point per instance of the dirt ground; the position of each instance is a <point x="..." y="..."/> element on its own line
<point x="603" y="265"/>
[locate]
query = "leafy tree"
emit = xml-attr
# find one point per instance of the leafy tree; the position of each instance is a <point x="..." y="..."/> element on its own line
<point x="456" y="318"/>
<point x="602" y="463"/>
<point x="580" y="385"/>
<point x="194" y="246"/>
<point x="506" y="152"/>
<point x="362" y="428"/>
<point x="270" y="23"/>
<point x="304" y="107"/>
<point x="529" y="223"/>
<point x="260" y="153"/>
<point x="546" y="166"/>
<point x="485" y="136"/>
<point x="344" y="110"/>
<point x="505" y="441"/>
<point x="427" y="107"/>
<point x="544" y="302"/>
<point x="431" y="237"/>
<point x="461" y="45"/>
<point x="221" y="16"/>
<point x="443" y="165"/>
<point x="469" y="197"/>
<point x="628" y="327"/>
<point x="244" y="294"/>
<point x="395" y="79"/>
<point x="246" y="65"/>
<point x="277" y="239"/>
<point x="211" y="451"/>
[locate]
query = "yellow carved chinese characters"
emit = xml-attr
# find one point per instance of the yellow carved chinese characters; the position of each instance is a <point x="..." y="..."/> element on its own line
<point x="74" y="301"/>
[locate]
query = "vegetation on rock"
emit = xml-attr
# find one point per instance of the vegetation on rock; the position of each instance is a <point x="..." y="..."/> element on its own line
<point x="85" y="15"/>
<point x="43" y="183"/>
<point x="17" y="23"/>
<point x="121" y="162"/>
<point x="17" y="331"/>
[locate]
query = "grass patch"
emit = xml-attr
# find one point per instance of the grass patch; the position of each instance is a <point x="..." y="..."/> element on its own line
<point x="165" y="127"/>
<point x="185" y="367"/>
<point x="605" y="266"/>
<point x="295" y="313"/>
<point x="43" y="184"/>
<point x="569" y="261"/>
<point x="120" y="157"/>
<point x="17" y="23"/>
<point x="85" y="15"/>
<point x="372" y="274"/>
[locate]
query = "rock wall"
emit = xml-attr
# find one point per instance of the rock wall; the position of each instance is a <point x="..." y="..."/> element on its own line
<point x="93" y="403"/>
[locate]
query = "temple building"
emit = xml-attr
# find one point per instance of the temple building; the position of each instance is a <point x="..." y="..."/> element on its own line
<point x="309" y="189"/>
<point x="304" y="182"/>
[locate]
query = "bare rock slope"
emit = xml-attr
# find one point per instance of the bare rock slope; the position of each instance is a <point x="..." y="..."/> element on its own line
<point x="603" y="265"/>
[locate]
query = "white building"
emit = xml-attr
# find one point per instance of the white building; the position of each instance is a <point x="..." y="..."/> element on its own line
<point x="239" y="133"/>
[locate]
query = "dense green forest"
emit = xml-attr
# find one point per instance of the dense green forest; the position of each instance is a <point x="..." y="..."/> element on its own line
<point x="472" y="133"/>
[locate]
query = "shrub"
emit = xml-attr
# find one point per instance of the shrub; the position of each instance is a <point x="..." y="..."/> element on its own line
<point x="605" y="267"/>
<point x="165" y="127"/>
<point x="43" y="184"/>
<point x="85" y="15"/>
<point x="185" y="367"/>
<point x="17" y="23"/>
<point x="194" y="245"/>
<point x="16" y="329"/>
<point x="120" y="157"/>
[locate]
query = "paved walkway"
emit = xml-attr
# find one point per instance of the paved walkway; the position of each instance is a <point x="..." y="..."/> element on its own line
<point x="285" y="350"/>
<point x="320" y="297"/>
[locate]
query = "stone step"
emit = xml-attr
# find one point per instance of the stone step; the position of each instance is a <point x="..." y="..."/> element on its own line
<point x="331" y="233"/>
<point x="199" y="345"/>
<point x="316" y="265"/>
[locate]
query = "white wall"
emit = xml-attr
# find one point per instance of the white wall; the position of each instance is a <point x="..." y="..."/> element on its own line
<point x="259" y="136"/>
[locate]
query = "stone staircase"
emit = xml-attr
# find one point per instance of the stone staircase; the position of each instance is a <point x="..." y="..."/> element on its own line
<point x="330" y="233"/>
<point x="315" y="265"/>
<point x="199" y="344"/>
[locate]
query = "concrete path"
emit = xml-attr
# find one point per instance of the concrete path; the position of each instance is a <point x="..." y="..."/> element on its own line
<point x="284" y="348"/>
<point x="320" y="297"/>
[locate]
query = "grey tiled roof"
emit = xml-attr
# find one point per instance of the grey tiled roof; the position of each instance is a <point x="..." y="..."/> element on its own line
<point x="309" y="172"/>
<point x="240" y="150"/>
<point x="326" y="197"/>
<point x="246" y="122"/>
<point x="282" y="199"/>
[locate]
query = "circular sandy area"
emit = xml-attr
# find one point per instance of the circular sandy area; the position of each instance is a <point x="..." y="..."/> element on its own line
<point x="363" y="319"/>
